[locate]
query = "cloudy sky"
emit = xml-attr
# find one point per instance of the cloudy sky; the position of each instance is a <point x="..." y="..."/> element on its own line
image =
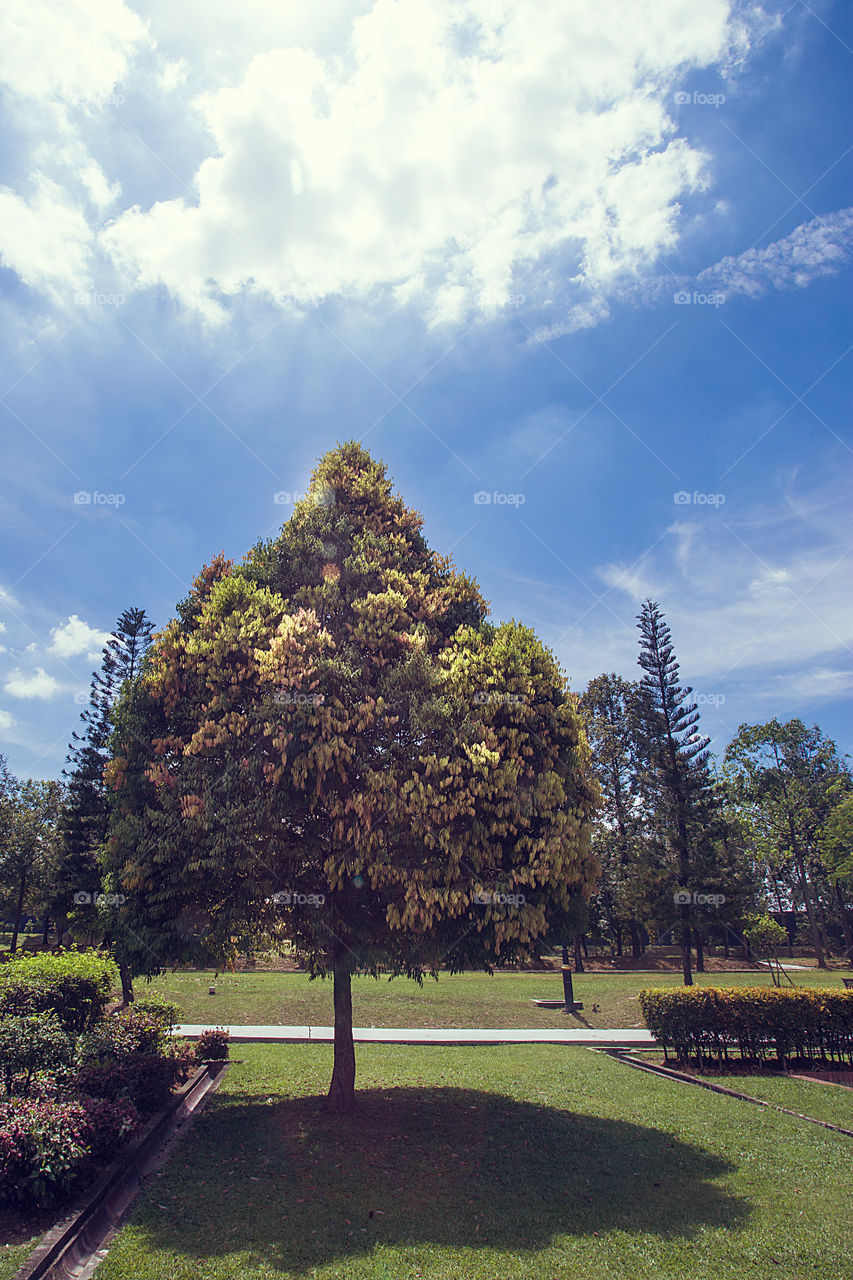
<point x="579" y="273"/>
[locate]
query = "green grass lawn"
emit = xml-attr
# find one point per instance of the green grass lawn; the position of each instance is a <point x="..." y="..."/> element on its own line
<point x="464" y="1000"/>
<point x="824" y="1101"/>
<point x="517" y="1162"/>
<point x="13" y="1255"/>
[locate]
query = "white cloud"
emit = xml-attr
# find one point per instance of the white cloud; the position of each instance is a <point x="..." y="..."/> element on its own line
<point x="45" y="240"/>
<point x="820" y="247"/>
<point x="37" y="685"/>
<point x="823" y="246"/>
<point x="75" y="637"/>
<point x="2" y="627"/>
<point x="7" y="721"/>
<point x="447" y="149"/>
<point x="74" y="52"/>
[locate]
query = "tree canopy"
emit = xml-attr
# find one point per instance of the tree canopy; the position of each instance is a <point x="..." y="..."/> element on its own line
<point x="331" y="740"/>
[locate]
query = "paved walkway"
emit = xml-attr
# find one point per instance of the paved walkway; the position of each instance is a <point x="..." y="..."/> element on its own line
<point x="628" y="1037"/>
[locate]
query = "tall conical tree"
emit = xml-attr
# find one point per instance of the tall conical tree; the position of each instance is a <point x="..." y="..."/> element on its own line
<point x="86" y="812"/>
<point x="678" y="756"/>
<point x="332" y="740"/>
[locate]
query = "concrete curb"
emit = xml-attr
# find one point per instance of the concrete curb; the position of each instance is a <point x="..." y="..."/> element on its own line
<point x="629" y="1037"/>
<point x="71" y="1244"/>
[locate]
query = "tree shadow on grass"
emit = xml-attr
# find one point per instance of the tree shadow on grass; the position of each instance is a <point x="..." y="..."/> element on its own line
<point x="295" y="1188"/>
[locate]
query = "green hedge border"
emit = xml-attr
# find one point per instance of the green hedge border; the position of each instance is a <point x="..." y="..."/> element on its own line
<point x="705" y="1024"/>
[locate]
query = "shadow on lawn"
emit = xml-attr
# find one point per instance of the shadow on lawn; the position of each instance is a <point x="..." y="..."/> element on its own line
<point x="295" y="1188"/>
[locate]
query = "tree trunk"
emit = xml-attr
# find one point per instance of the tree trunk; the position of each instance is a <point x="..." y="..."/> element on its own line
<point x="341" y="1096"/>
<point x="45" y="931"/>
<point x="845" y="924"/>
<point x="686" y="963"/>
<point x="617" y="931"/>
<point x="578" y="957"/>
<point x="700" y="953"/>
<point x="19" y="911"/>
<point x="126" y="983"/>
<point x="636" y="941"/>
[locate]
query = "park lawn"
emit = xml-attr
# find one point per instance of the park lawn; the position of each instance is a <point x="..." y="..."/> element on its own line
<point x="461" y="1000"/>
<point x="518" y="1162"/>
<point x="821" y="1099"/>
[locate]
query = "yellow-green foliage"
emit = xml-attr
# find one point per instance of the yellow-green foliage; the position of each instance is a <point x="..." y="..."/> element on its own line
<point x="707" y="1022"/>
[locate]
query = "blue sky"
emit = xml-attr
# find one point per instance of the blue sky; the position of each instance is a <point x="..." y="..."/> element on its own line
<point x="593" y="267"/>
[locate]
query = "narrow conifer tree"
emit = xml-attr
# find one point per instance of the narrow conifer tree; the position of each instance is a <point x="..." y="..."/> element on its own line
<point x="86" y="813"/>
<point x="678" y="774"/>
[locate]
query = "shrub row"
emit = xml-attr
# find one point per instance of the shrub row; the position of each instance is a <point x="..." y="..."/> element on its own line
<point x="705" y="1024"/>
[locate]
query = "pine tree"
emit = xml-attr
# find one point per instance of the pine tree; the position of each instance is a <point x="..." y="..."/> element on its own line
<point x="678" y="778"/>
<point x="86" y="813"/>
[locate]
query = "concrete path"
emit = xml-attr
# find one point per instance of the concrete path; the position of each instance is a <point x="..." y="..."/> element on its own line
<point x="628" y="1037"/>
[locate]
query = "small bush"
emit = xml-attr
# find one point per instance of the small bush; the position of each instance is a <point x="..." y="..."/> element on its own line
<point x="75" y="985"/>
<point x="42" y="1145"/>
<point x="108" y="1125"/>
<point x="212" y="1045"/>
<point x="29" y="1045"/>
<point x="704" y="1023"/>
<point x="147" y="1079"/>
<point x="127" y="1032"/>
<point x="166" y="1012"/>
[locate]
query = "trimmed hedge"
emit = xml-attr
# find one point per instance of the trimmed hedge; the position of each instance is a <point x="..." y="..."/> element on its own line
<point x="704" y="1024"/>
<point x="75" y="985"/>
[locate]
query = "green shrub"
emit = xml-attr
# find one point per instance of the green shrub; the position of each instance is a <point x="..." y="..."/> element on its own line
<point x="29" y="1045"/>
<point x="75" y="985"/>
<point x="212" y="1045"/>
<point x="129" y="1031"/>
<point x="147" y="1079"/>
<point x="167" y="1013"/>
<point x="704" y="1023"/>
<point x="42" y="1145"/>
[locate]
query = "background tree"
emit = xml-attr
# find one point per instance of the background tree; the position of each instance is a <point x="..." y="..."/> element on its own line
<point x="86" y="812"/>
<point x="789" y="779"/>
<point x="30" y="851"/>
<point x="836" y="847"/>
<point x="333" y="740"/>
<point x="677" y="779"/>
<point x="614" y="714"/>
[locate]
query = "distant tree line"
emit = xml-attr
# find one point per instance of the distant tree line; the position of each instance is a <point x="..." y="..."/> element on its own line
<point x="692" y="850"/>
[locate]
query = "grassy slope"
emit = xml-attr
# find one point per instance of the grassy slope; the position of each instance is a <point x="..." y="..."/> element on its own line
<point x="465" y="1000"/>
<point x="520" y="1162"/>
